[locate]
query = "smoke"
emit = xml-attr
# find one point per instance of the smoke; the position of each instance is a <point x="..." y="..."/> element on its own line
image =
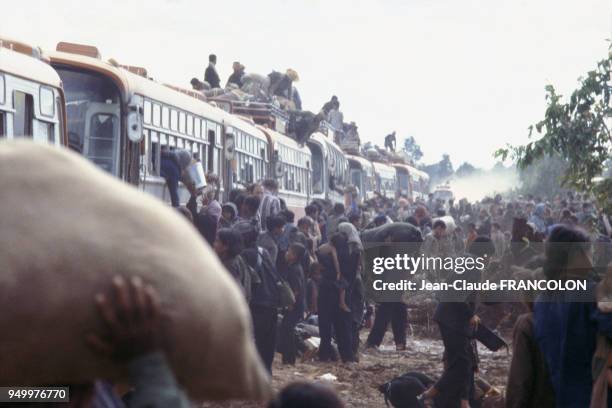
<point x="484" y="183"/>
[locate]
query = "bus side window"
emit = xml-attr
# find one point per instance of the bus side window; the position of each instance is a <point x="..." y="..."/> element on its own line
<point x="2" y="121"/>
<point x="154" y="152"/>
<point x="211" y="151"/>
<point x="46" y="131"/>
<point x="24" y="114"/>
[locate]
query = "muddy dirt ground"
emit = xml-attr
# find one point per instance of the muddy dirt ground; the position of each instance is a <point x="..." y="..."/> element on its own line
<point x="357" y="382"/>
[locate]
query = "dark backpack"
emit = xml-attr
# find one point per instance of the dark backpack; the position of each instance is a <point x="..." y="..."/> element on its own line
<point x="402" y="391"/>
<point x="264" y="291"/>
<point x="272" y="290"/>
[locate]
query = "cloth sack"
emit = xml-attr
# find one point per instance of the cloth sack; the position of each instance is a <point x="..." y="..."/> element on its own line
<point x="67" y="229"/>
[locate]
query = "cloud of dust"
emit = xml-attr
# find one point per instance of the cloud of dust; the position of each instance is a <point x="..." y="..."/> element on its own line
<point x="484" y="183"/>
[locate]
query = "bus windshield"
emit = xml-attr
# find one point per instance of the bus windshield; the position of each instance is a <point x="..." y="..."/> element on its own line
<point x="94" y="116"/>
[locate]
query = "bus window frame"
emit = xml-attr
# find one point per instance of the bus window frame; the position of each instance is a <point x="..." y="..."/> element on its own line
<point x="2" y="123"/>
<point x="197" y="129"/>
<point x="165" y="117"/>
<point x="2" y="89"/>
<point x="182" y="122"/>
<point x="157" y="123"/>
<point x="147" y="120"/>
<point x="42" y="88"/>
<point x="188" y="128"/>
<point x="31" y="116"/>
<point x="173" y="120"/>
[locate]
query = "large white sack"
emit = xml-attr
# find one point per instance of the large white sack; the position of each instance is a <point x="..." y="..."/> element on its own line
<point x="449" y="221"/>
<point x="66" y="229"/>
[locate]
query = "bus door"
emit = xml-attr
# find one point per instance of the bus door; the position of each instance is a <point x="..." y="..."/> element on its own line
<point x="101" y="141"/>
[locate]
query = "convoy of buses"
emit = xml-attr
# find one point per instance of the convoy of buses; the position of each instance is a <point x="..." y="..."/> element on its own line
<point x="119" y="119"/>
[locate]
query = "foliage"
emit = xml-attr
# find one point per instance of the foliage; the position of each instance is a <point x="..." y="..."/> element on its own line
<point x="465" y="170"/>
<point x="576" y="132"/>
<point x="412" y="149"/>
<point x="542" y="178"/>
<point x="440" y="171"/>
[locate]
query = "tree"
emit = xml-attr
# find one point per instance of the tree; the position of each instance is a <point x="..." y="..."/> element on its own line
<point x="412" y="149"/>
<point x="442" y="170"/>
<point x="542" y="178"/>
<point x="465" y="170"/>
<point x="576" y="132"/>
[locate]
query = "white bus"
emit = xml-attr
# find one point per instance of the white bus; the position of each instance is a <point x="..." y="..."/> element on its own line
<point x="290" y="165"/>
<point x="329" y="168"/>
<point x="120" y="119"/>
<point x="361" y="175"/>
<point x="31" y="96"/>
<point x="386" y="179"/>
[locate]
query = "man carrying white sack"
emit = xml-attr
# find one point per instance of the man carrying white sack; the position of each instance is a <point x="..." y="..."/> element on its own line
<point x="132" y="316"/>
<point x="60" y="287"/>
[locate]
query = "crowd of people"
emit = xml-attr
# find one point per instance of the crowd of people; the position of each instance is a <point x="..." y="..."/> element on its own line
<point x="310" y="270"/>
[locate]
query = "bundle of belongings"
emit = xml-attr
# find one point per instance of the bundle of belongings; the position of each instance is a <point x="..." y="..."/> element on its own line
<point x="302" y="124"/>
<point x="276" y="88"/>
<point x="349" y="139"/>
<point x="403" y="392"/>
<point x="68" y="229"/>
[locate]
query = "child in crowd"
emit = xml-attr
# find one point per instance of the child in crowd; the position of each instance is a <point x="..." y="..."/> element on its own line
<point x="228" y="215"/>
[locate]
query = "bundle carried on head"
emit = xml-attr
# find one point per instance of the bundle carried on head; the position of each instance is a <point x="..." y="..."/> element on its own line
<point x="67" y="229"/>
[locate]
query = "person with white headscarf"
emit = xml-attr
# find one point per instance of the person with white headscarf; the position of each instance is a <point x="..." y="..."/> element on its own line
<point x="352" y="234"/>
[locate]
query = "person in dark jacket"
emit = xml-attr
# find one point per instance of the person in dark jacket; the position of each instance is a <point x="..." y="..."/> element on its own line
<point x="210" y="75"/>
<point x="391" y="312"/>
<point x="528" y="381"/>
<point x="171" y="171"/>
<point x="295" y="313"/>
<point x="229" y="212"/>
<point x="331" y="316"/>
<point x="269" y="239"/>
<point x="264" y="293"/>
<point x="457" y="320"/>
<point x="236" y="76"/>
<point x="228" y="247"/>
<point x="567" y="322"/>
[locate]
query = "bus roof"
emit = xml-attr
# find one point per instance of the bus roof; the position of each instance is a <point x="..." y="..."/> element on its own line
<point x="276" y="137"/>
<point x="28" y="67"/>
<point x="362" y="161"/>
<point x="383" y="169"/>
<point x="323" y="140"/>
<point x="243" y="125"/>
<point x="131" y="83"/>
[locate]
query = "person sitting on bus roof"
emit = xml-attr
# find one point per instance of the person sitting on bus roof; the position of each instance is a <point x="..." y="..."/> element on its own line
<point x="236" y="76"/>
<point x="210" y="75"/>
<point x="282" y="84"/>
<point x="198" y="85"/>
<point x="332" y="104"/>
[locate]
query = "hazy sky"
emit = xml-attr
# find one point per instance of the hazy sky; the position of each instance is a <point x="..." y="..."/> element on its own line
<point x="462" y="77"/>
